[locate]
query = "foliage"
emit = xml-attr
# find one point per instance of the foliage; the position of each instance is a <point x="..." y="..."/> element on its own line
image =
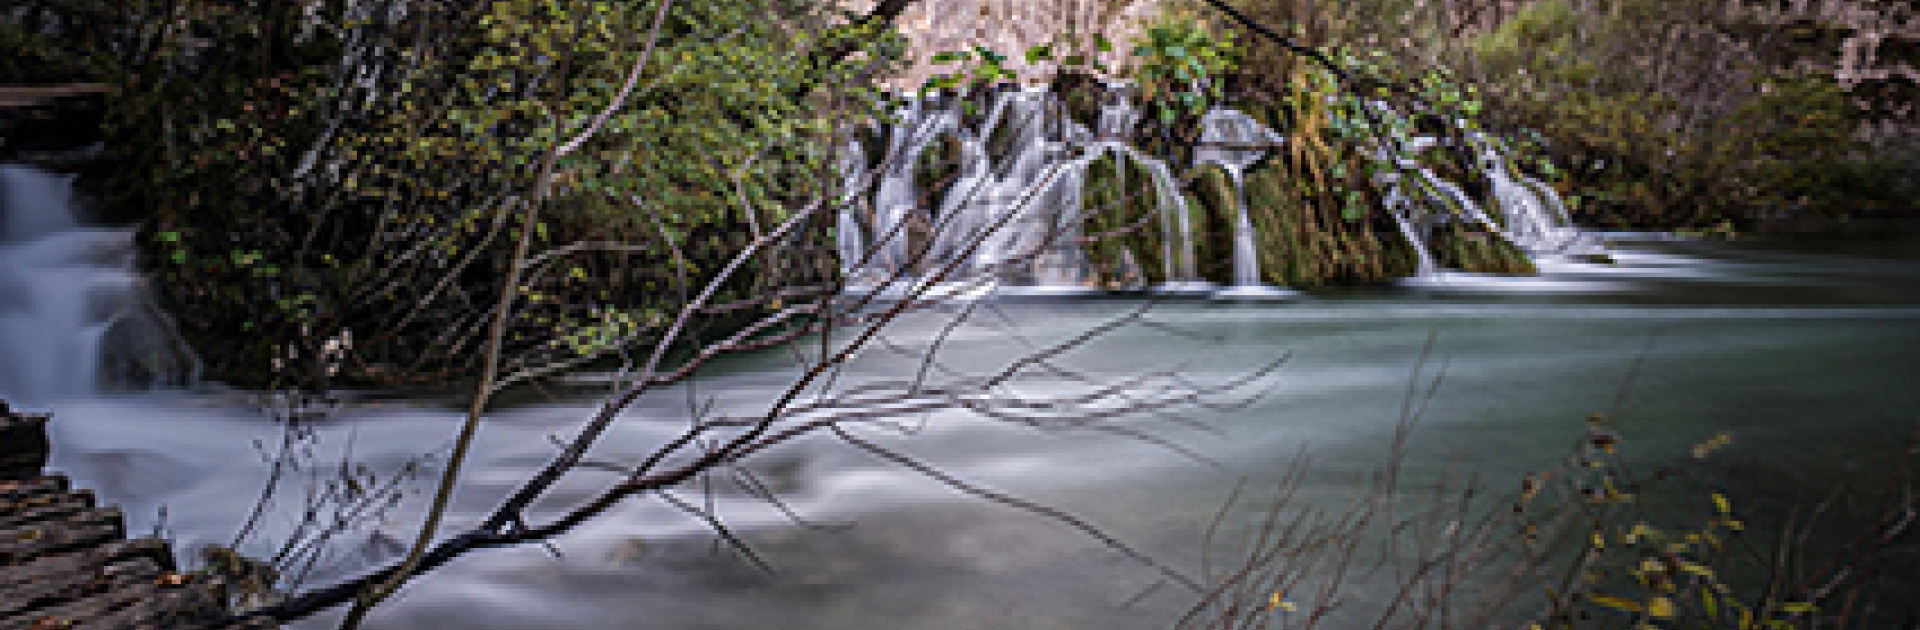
<point x="1312" y="202"/>
<point x="1608" y="86"/>
<point x="1587" y="543"/>
<point x="1662" y="117"/>
<point x="1123" y="216"/>
<point x="1185" y="61"/>
<point x="358" y="176"/>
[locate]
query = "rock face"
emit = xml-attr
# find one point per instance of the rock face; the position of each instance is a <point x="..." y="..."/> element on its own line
<point x="1010" y="27"/>
<point x="1871" y="47"/>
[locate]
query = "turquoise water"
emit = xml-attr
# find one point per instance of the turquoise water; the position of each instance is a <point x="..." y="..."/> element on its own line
<point x="1809" y="354"/>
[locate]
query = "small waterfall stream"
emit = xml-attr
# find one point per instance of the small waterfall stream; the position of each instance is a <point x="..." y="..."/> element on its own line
<point x="1536" y="217"/>
<point x="1223" y="126"/>
<point x="73" y="316"/>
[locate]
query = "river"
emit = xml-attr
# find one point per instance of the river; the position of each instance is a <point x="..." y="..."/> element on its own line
<point x="1808" y="353"/>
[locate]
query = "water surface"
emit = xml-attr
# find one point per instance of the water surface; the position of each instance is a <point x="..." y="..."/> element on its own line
<point x="1808" y="354"/>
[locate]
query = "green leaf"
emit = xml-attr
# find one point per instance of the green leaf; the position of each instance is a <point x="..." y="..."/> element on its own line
<point x="1353" y="212"/>
<point x="1038" y="53"/>
<point x="1074" y="60"/>
<point x="1100" y="41"/>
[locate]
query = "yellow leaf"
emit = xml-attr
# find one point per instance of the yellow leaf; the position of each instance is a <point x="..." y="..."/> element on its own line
<point x="1720" y="501"/>
<point x="1276" y="602"/>
<point x="1660" y="608"/>
<point x="1639" y="530"/>
<point x="1617" y="603"/>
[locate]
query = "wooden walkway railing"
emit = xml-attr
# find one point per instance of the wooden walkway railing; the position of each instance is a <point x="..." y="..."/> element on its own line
<point x="66" y="563"/>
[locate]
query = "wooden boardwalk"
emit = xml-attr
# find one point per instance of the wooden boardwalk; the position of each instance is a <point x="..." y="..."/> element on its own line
<point x="66" y="563"/>
<point x="50" y="126"/>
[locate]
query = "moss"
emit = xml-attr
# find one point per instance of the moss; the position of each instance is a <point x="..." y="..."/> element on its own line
<point x="1122" y="213"/>
<point x="1468" y="247"/>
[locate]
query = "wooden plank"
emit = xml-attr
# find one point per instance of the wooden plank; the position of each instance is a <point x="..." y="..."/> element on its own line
<point x="65" y="562"/>
<point x="45" y="507"/>
<point x="13" y="489"/>
<point x="78" y="585"/>
<point x="165" y="608"/>
<point x="145" y="604"/>
<point x="66" y="577"/>
<point x="31" y="95"/>
<point x="89" y="528"/>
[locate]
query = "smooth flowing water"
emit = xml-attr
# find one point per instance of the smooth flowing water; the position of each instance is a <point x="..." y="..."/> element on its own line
<point x="1808" y="353"/>
<point x="1808" y="356"/>
<point x="60" y="286"/>
<point x="73" y="311"/>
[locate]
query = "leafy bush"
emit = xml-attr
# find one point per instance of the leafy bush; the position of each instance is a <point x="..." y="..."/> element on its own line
<point x="315" y="169"/>
<point x="1664" y="117"/>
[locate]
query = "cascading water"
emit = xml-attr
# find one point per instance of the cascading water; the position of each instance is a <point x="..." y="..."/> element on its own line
<point x="852" y="236"/>
<point x="1223" y="126"/>
<point x="68" y="293"/>
<point x="1537" y="218"/>
<point x="58" y="285"/>
<point x="1014" y="215"/>
<point x="1398" y="206"/>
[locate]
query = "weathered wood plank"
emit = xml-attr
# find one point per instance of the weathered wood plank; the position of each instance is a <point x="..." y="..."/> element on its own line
<point x="87" y="529"/>
<point x="13" y="489"/>
<point x="144" y="604"/>
<point x="46" y="507"/>
<point x="65" y="562"/>
<point x="77" y="586"/>
<point x="29" y="95"/>
<point x="66" y="577"/>
<point x="165" y="608"/>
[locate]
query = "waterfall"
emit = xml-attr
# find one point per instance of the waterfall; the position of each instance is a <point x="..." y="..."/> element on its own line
<point x="1014" y="215"/>
<point x="72" y="309"/>
<point x="1221" y="128"/>
<point x="1443" y="199"/>
<point x="1535" y="215"/>
<point x="1399" y="206"/>
<point x="850" y="234"/>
